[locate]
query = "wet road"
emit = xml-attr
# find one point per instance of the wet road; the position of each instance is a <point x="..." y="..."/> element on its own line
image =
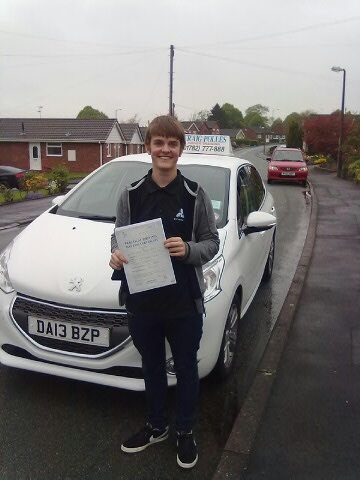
<point x="52" y="428"/>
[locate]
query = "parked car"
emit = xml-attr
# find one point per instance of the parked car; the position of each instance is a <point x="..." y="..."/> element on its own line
<point x="11" y="177"/>
<point x="59" y="310"/>
<point x="287" y="164"/>
<point x="272" y="148"/>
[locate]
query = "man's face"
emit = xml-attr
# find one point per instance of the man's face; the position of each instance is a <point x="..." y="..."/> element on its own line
<point x="164" y="152"/>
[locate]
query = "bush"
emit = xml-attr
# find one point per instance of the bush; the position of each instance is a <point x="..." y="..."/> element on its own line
<point x="353" y="170"/>
<point x="320" y="161"/>
<point x="35" y="181"/>
<point x="7" y="193"/>
<point x="245" y="142"/>
<point x="59" y="175"/>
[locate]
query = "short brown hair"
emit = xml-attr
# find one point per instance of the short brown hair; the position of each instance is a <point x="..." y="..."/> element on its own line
<point x="165" y="126"/>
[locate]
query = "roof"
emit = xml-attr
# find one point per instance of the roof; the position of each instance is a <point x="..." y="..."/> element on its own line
<point x="128" y="130"/>
<point x="56" y="129"/>
<point x="232" y="132"/>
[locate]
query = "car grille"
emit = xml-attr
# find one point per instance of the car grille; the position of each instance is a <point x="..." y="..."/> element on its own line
<point x="116" y="321"/>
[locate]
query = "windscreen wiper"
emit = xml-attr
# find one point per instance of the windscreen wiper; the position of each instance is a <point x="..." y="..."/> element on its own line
<point x="99" y="218"/>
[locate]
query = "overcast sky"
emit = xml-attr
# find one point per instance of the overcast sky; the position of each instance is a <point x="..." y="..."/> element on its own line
<point x="115" y="54"/>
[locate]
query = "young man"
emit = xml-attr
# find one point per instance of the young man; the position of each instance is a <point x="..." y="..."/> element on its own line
<point x="174" y="312"/>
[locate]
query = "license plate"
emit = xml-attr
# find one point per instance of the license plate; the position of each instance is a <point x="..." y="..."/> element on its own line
<point x="69" y="332"/>
<point x="288" y="174"/>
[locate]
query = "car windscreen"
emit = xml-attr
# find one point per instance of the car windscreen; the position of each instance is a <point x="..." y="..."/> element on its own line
<point x="287" y="155"/>
<point x="97" y="196"/>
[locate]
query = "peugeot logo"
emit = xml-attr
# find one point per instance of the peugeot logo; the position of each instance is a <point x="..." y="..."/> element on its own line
<point x="75" y="284"/>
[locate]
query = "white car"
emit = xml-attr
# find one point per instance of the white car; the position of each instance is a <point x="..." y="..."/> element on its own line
<point x="59" y="310"/>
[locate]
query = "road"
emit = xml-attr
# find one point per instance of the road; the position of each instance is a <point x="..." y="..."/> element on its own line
<point x="53" y="428"/>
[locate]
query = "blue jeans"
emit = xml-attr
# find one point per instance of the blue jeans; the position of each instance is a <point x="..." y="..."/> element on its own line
<point x="183" y="334"/>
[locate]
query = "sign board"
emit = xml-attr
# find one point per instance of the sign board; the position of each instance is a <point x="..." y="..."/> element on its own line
<point x="208" y="144"/>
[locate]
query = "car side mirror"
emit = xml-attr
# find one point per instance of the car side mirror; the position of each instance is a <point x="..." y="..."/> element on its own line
<point x="58" y="200"/>
<point x="259" y="222"/>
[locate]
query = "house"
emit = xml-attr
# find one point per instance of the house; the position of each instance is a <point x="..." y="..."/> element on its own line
<point x="232" y="132"/>
<point x="81" y="145"/>
<point x="278" y="133"/>
<point x="208" y="127"/>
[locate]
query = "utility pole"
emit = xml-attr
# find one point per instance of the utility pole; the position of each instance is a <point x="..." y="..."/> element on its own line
<point x="171" y="105"/>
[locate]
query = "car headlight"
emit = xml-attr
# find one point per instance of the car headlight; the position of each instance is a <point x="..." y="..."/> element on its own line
<point x="271" y="167"/>
<point x="212" y="276"/>
<point x="5" y="283"/>
<point x="303" y="169"/>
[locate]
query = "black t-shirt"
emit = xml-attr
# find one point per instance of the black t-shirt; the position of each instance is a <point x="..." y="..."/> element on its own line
<point x="176" y="211"/>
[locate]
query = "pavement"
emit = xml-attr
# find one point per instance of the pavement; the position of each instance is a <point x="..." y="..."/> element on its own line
<point x="301" y="417"/>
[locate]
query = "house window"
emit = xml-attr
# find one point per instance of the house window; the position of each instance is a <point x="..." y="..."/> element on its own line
<point x="109" y="149"/>
<point x="54" y="149"/>
<point x="35" y="152"/>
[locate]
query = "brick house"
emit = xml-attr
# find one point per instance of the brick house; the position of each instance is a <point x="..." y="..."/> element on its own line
<point x="80" y="145"/>
<point x="208" y="127"/>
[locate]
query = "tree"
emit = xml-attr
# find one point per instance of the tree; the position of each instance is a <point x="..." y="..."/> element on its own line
<point x="90" y="113"/>
<point x="351" y="147"/>
<point x="255" y="116"/>
<point x="133" y="119"/>
<point x="218" y="115"/>
<point x="227" y="116"/>
<point x="295" y="136"/>
<point x="276" y="122"/>
<point x="293" y="117"/>
<point x="261" y="109"/>
<point x="321" y="133"/>
<point x="201" y="116"/>
<point x="233" y="116"/>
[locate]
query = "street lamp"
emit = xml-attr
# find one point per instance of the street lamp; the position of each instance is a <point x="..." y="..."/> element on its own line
<point x="339" y="156"/>
<point x="264" y="134"/>
<point x="117" y="110"/>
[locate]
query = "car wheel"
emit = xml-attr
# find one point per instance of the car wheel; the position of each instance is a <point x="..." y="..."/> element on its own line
<point x="269" y="262"/>
<point x="269" y="181"/>
<point x="304" y="183"/>
<point x="226" y="357"/>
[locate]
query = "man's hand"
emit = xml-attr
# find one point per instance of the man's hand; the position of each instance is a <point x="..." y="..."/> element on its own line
<point x="176" y="246"/>
<point x="117" y="260"/>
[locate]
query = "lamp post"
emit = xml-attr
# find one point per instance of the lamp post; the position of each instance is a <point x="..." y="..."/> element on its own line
<point x="117" y="110"/>
<point x="264" y="134"/>
<point x="339" y="156"/>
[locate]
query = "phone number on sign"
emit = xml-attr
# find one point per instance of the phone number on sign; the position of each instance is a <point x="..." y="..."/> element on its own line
<point x="204" y="148"/>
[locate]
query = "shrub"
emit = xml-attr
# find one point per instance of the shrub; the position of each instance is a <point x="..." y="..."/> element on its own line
<point x="60" y="175"/>
<point x="320" y="161"/>
<point x="35" y="181"/>
<point x="353" y="170"/>
<point x="245" y="141"/>
<point x="53" y="187"/>
<point x="7" y="193"/>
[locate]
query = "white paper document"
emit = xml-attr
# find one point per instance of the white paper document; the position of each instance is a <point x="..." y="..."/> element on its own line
<point x="149" y="261"/>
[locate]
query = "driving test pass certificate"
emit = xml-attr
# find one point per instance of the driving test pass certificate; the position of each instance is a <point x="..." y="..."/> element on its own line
<point x="149" y="263"/>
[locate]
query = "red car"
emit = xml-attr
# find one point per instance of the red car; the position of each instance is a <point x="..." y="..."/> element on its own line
<point x="287" y="164"/>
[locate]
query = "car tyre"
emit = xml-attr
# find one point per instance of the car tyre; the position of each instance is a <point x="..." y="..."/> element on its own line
<point x="226" y="358"/>
<point x="269" y="262"/>
<point x="269" y="181"/>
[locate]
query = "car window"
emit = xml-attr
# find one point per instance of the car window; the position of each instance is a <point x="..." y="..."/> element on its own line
<point x="257" y="188"/>
<point x="288" y="155"/>
<point x="98" y="195"/>
<point x="251" y="193"/>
